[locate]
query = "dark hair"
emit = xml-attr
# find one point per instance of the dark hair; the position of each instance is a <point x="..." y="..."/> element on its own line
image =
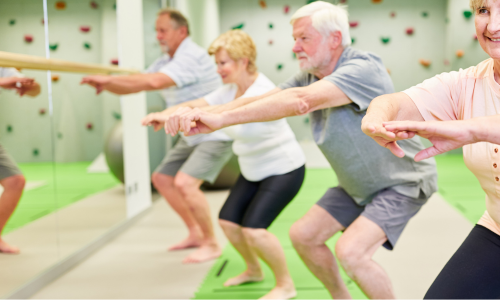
<point x="175" y="16"/>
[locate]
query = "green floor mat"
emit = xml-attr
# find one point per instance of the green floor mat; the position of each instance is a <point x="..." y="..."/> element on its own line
<point x="457" y="185"/>
<point x="66" y="183"/>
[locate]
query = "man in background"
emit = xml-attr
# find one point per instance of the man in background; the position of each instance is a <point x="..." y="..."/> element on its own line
<point x="185" y="72"/>
<point x="11" y="178"/>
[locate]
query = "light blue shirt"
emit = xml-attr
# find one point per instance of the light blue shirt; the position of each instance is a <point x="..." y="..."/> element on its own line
<point x="10" y="72"/>
<point x="195" y="76"/>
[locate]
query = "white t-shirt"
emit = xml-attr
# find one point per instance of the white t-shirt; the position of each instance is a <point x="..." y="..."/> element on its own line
<point x="264" y="149"/>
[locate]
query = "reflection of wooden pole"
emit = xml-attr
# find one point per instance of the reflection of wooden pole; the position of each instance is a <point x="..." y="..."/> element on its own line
<point x="23" y="61"/>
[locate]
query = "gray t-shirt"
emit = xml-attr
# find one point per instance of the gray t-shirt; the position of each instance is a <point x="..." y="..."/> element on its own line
<point x="363" y="167"/>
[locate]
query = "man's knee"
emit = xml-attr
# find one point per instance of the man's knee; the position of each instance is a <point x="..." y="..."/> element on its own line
<point x="300" y="234"/>
<point x="14" y="183"/>
<point x="186" y="184"/>
<point x="162" y="181"/>
<point x="350" y="256"/>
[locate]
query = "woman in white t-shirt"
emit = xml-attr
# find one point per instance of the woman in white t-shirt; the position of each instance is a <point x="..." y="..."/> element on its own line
<point x="270" y="158"/>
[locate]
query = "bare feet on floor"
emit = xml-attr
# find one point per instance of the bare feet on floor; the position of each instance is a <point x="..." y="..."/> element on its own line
<point x="206" y="252"/>
<point x="245" y="277"/>
<point x="8" y="249"/>
<point x="194" y="240"/>
<point x="281" y="292"/>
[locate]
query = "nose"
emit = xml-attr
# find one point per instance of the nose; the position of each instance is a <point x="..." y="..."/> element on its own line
<point x="297" y="47"/>
<point x="494" y="22"/>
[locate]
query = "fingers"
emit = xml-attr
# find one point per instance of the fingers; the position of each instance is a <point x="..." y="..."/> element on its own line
<point x="395" y="149"/>
<point x="395" y="126"/>
<point x="427" y="153"/>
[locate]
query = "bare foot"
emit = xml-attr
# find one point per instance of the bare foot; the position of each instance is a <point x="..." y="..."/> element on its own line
<point x="245" y="277"/>
<point x="279" y="292"/>
<point x="8" y="249"/>
<point x="194" y="240"/>
<point x="204" y="253"/>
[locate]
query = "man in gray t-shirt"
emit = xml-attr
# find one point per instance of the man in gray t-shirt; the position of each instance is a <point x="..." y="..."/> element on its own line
<point x="377" y="193"/>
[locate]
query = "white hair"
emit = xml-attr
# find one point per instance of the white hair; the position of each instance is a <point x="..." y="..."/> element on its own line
<point x="326" y="18"/>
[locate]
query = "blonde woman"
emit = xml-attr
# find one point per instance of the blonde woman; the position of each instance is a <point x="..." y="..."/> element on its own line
<point x="461" y="109"/>
<point x="270" y="158"/>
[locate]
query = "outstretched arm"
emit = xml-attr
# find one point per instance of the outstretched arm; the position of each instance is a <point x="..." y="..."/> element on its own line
<point x="391" y="107"/>
<point x="128" y="84"/>
<point x="23" y="85"/>
<point x="158" y="119"/>
<point x="448" y="135"/>
<point x="290" y="102"/>
<point x="240" y="102"/>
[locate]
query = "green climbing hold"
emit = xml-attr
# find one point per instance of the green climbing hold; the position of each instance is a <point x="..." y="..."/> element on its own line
<point x="271" y="25"/>
<point x="59" y="135"/>
<point x="447" y="20"/>
<point x="117" y="116"/>
<point x="385" y="40"/>
<point x="12" y="22"/>
<point x="425" y="14"/>
<point x="306" y="120"/>
<point x="114" y="6"/>
<point x="467" y="14"/>
<point x="9" y="128"/>
<point x="353" y="40"/>
<point x="279" y="66"/>
<point x="239" y="26"/>
<point x="53" y="47"/>
<point x="294" y="55"/>
<point x="36" y="152"/>
<point x="311" y="1"/>
<point x="87" y="45"/>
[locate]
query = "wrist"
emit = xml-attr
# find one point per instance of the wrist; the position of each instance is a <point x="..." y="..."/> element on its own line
<point x="477" y="130"/>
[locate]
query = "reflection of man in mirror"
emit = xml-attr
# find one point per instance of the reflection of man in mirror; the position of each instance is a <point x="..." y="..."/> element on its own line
<point x="184" y="73"/>
<point x="11" y="178"/>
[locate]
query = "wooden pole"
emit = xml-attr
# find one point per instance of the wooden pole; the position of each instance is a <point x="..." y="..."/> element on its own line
<point x="23" y="61"/>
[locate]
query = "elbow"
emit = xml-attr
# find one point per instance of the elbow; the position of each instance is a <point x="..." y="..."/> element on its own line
<point x="302" y="104"/>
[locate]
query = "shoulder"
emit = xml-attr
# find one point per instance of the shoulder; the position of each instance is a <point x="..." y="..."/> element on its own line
<point x="355" y="57"/>
<point x="261" y="86"/>
<point x="191" y="50"/>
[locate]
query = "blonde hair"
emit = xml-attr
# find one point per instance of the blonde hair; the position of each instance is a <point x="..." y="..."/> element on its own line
<point x="238" y="45"/>
<point x="176" y="16"/>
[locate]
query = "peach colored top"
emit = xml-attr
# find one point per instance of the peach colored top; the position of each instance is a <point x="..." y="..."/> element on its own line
<point x="463" y="95"/>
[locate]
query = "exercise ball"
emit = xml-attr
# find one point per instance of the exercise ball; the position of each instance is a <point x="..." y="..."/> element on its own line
<point x="113" y="150"/>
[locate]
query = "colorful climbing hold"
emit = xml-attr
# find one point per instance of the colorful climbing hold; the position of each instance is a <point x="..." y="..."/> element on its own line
<point x="353" y="24"/>
<point x="446" y="62"/>
<point x="53" y="47"/>
<point x="36" y="152"/>
<point x="60" y="5"/>
<point x="59" y="135"/>
<point x="87" y="45"/>
<point x="425" y="14"/>
<point x="467" y="14"/>
<point x="263" y="4"/>
<point x="425" y="62"/>
<point x="279" y="66"/>
<point x="55" y="78"/>
<point x="9" y="128"/>
<point x="94" y="4"/>
<point x="343" y="1"/>
<point x="286" y="9"/>
<point x="393" y="14"/>
<point x="41" y="111"/>
<point x="294" y="55"/>
<point x="270" y="42"/>
<point x="90" y="126"/>
<point x="410" y="31"/>
<point x="84" y="28"/>
<point x="28" y="38"/>
<point x="114" y="6"/>
<point x="388" y="71"/>
<point x="114" y="61"/>
<point x="353" y="40"/>
<point x="306" y="120"/>
<point x="271" y="26"/>
<point x="376" y="1"/>
<point x="311" y="1"/>
<point x="12" y="22"/>
<point x="385" y="40"/>
<point x="460" y="53"/>
<point x="239" y="26"/>
<point x="117" y="116"/>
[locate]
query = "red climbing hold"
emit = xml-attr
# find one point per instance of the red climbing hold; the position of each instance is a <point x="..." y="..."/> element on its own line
<point x="114" y="61"/>
<point x="410" y="30"/>
<point x="353" y="24"/>
<point x="28" y="38"/>
<point x="84" y="28"/>
<point x="286" y="9"/>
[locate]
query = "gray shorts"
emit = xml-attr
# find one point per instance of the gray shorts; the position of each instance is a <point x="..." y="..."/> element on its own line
<point x="203" y="161"/>
<point x="390" y="210"/>
<point x="8" y="167"/>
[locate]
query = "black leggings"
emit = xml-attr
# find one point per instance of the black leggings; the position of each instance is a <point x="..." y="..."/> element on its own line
<point x="473" y="272"/>
<point x="256" y="204"/>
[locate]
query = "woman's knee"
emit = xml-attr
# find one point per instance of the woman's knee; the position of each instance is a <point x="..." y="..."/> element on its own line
<point x="14" y="183"/>
<point x="254" y="235"/>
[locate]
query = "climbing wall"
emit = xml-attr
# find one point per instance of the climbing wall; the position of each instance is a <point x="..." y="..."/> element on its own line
<point x="415" y="39"/>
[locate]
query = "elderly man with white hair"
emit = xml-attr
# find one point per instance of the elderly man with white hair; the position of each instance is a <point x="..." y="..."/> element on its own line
<point x="377" y="193"/>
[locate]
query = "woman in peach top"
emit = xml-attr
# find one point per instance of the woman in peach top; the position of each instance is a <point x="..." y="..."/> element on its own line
<point x="461" y="109"/>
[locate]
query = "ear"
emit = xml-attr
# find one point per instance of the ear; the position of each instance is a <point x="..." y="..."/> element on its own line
<point x="244" y="62"/>
<point x="183" y="30"/>
<point x="335" y="39"/>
